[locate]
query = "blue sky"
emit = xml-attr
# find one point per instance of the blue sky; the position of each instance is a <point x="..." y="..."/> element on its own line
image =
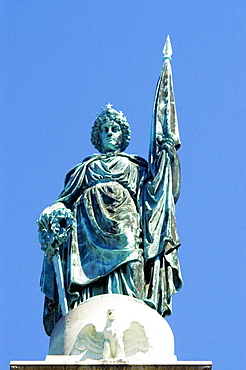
<point x="61" y="61"/>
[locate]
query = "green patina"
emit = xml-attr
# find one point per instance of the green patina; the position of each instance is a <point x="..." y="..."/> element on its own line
<point x="114" y="223"/>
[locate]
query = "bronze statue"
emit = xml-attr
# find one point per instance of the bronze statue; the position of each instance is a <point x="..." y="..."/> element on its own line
<point x="113" y="228"/>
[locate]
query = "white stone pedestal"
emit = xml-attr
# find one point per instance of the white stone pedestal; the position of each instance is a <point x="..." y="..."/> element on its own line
<point x="155" y="352"/>
<point x="149" y="326"/>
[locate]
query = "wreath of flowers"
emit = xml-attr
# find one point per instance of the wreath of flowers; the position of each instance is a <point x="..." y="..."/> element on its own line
<point x="55" y="229"/>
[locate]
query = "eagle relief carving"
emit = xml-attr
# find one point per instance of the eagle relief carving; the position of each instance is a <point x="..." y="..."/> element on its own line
<point x="113" y="343"/>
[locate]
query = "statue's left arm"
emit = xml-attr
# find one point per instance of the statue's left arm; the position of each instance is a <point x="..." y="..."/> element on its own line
<point x="160" y="193"/>
<point x="169" y="146"/>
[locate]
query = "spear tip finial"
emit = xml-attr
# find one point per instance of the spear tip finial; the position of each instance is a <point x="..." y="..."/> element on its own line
<point x="167" y="50"/>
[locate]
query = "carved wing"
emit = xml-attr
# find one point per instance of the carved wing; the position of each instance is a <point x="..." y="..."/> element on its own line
<point x="135" y="339"/>
<point x="89" y="343"/>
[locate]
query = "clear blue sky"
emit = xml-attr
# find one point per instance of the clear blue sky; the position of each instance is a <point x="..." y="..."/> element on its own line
<point x="61" y="61"/>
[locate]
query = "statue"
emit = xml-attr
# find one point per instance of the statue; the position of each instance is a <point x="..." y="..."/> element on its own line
<point x="113" y="228"/>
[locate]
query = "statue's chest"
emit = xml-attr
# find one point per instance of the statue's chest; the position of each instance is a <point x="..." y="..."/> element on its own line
<point x="112" y="165"/>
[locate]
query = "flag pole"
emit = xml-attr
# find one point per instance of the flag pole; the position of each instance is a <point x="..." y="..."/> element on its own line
<point x="164" y="123"/>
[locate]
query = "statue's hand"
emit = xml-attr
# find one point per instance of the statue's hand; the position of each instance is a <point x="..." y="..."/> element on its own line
<point x="168" y="145"/>
<point x="54" y="207"/>
<point x="50" y="251"/>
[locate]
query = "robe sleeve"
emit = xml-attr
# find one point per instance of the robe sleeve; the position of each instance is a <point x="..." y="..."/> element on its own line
<point x="73" y="183"/>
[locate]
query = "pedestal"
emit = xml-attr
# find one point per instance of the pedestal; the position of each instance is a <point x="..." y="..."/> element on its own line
<point x="141" y="334"/>
<point x="112" y="332"/>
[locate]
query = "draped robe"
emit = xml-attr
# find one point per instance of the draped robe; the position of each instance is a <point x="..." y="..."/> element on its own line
<point x="125" y="219"/>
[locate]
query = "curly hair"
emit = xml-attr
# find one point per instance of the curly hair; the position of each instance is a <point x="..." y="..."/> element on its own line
<point x="112" y="115"/>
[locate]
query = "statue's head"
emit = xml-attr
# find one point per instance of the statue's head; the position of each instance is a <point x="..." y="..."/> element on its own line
<point x="111" y="131"/>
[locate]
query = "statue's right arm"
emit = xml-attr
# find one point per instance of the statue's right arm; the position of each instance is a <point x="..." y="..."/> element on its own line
<point x="72" y="187"/>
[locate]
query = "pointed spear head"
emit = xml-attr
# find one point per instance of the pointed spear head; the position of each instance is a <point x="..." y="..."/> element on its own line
<point x="167" y="50"/>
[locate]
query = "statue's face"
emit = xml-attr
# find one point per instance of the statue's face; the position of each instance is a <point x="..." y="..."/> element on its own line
<point x="111" y="136"/>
